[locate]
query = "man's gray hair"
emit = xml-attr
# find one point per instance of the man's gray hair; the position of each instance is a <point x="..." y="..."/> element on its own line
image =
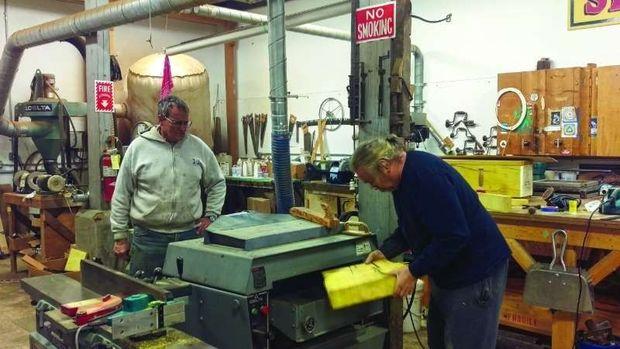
<point x="165" y="104"/>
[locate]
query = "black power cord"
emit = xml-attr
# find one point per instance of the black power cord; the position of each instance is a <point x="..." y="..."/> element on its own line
<point x="410" y="313"/>
<point x="447" y="18"/>
<point x="582" y="248"/>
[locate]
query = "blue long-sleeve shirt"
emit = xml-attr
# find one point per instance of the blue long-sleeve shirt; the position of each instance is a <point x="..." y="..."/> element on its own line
<point x="440" y="218"/>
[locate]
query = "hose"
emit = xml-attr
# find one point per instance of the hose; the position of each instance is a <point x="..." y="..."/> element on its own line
<point x="523" y="108"/>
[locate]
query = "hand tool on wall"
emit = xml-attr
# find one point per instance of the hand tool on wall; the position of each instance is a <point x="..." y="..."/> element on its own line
<point x="381" y="72"/>
<point x="292" y="119"/>
<point x="253" y="134"/>
<point x="328" y="219"/>
<point x="263" y="128"/>
<point x="256" y="121"/>
<point x="245" y="121"/>
<point x="319" y="142"/>
<point x="307" y="138"/>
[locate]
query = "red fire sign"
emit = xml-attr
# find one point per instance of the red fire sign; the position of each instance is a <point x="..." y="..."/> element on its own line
<point x="104" y="96"/>
<point x="376" y="22"/>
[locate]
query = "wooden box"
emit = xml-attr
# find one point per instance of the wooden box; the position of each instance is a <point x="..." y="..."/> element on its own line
<point x="261" y="205"/>
<point x="507" y="177"/>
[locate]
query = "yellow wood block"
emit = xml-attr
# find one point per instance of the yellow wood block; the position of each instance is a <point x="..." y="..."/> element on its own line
<point x="520" y="202"/>
<point x="508" y="177"/>
<point x="496" y="202"/>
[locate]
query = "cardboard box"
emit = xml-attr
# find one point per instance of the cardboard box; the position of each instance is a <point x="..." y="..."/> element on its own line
<point x="261" y="205"/>
<point x="506" y="177"/>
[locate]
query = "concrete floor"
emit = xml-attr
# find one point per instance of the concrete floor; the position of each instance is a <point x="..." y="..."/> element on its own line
<point x="18" y="315"/>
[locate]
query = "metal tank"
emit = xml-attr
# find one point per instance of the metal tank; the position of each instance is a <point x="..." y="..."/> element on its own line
<point x="191" y="83"/>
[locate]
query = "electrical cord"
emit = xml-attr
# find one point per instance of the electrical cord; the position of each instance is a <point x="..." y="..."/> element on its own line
<point x="447" y="18"/>
<point x="93" y="323"/>
<point x="410" y="313"/>
<point x="582" y="248"/>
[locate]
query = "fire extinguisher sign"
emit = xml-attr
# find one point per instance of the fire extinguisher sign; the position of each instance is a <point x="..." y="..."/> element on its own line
<point x="104" y="96"/>
<point x="376" y="22"/>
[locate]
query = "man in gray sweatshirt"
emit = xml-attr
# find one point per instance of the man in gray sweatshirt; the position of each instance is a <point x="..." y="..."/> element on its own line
<point x="159" y="189"/>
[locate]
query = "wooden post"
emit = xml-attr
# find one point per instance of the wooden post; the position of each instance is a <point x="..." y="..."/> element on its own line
<point x="230" y="62"/>
<point x="99" y="124"/>
<point x="563" y="325"/>
<point x="382" y="122"/>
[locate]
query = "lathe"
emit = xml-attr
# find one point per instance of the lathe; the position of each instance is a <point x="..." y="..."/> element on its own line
<point x="253" y="281"/>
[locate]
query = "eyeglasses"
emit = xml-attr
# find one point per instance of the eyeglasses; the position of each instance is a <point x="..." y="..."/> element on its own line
<point x="179" y="123"/>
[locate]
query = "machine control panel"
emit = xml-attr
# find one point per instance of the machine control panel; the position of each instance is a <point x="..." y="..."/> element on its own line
<point x="258" y="304"/>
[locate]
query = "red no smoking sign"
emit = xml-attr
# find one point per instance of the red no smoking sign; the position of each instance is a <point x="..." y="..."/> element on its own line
<point x="104" y="96"/>
<point x="375" y="22"/>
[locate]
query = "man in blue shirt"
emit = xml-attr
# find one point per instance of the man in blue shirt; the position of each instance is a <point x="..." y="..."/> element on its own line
<point x="454" y="241"/>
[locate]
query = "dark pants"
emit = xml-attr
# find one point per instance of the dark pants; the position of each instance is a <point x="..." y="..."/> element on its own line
<point x="467" y="317"/>
<point x="148" y="248"/>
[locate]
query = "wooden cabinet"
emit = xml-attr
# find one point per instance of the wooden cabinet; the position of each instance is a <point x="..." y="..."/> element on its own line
<point x="592" y="92"/>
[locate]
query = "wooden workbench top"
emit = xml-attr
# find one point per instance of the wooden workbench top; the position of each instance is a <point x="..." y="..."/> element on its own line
<point x="39" y="201"/>
<point x="558" y="219"/>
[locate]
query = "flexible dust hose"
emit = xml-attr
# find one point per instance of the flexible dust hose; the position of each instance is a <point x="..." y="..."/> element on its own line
<point x="282" y="172"/>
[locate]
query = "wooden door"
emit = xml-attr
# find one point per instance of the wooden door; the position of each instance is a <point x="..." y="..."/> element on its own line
<point x="607" y="139"/>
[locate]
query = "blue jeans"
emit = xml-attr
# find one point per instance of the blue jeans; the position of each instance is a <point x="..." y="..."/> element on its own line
<point x="148" y="248"/>
<point x="467" y="317"/>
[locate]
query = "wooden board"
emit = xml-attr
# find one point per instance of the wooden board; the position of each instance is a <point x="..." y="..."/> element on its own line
<point x="562" y="90"/>
<point x="607" y="141"/>
<point x="261" y="205"/>
<point x="496" y="202"/>
<point x="506" y="177"/>
<point x="555" y="88"/>
<point x="507" y="105"/>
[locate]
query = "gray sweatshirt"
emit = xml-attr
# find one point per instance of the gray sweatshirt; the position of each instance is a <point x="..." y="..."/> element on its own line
<point x="159" y="185"/>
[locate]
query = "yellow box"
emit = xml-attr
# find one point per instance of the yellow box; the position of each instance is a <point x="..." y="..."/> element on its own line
<point x="507" y="177"/>
<point x="360" y="283"/>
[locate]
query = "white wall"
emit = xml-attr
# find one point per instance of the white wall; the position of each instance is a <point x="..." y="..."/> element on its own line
<point x="487" y="37"/>
<point x="462" y="58"/>
<point x="317" y="68"/>
<point x="65" y="62"/>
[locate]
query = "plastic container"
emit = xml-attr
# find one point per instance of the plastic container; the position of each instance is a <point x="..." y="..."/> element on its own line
<point x="416" y="310"/>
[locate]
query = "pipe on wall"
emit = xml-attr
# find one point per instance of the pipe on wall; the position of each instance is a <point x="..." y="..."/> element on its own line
<point x="277" y="94"/>
<point x="81" y="23"/>
<point x="294" y="20"/>
<point x="418" y="79"/>
<point x="255" y="18"/>
<point x="79" y="43"/>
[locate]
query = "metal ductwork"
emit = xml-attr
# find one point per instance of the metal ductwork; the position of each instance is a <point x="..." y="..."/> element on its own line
<point x="82" y="23"/>
<point x="294" y="20"/>
<point x="277" y="94"/>
<point x="418" y="79"/>
<point x="255" y="18"/>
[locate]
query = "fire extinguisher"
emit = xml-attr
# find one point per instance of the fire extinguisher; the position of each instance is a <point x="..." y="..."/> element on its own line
<point x="108" y="176"/>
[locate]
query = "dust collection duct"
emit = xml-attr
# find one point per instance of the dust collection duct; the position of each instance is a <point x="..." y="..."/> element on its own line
<point x="191" y="83"/>
<point x="81" y="23"/>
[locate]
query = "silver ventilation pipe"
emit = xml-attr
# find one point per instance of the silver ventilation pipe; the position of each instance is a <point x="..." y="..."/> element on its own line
<point x="295" y="20"/>
<point x="280" y="148"/>
<point x="81" y="23"/>
<point x="223" y="13"/>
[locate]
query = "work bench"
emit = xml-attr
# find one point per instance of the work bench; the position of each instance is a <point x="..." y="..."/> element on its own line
<point x="523" y="232"/>
<point x="50" y="215"/>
